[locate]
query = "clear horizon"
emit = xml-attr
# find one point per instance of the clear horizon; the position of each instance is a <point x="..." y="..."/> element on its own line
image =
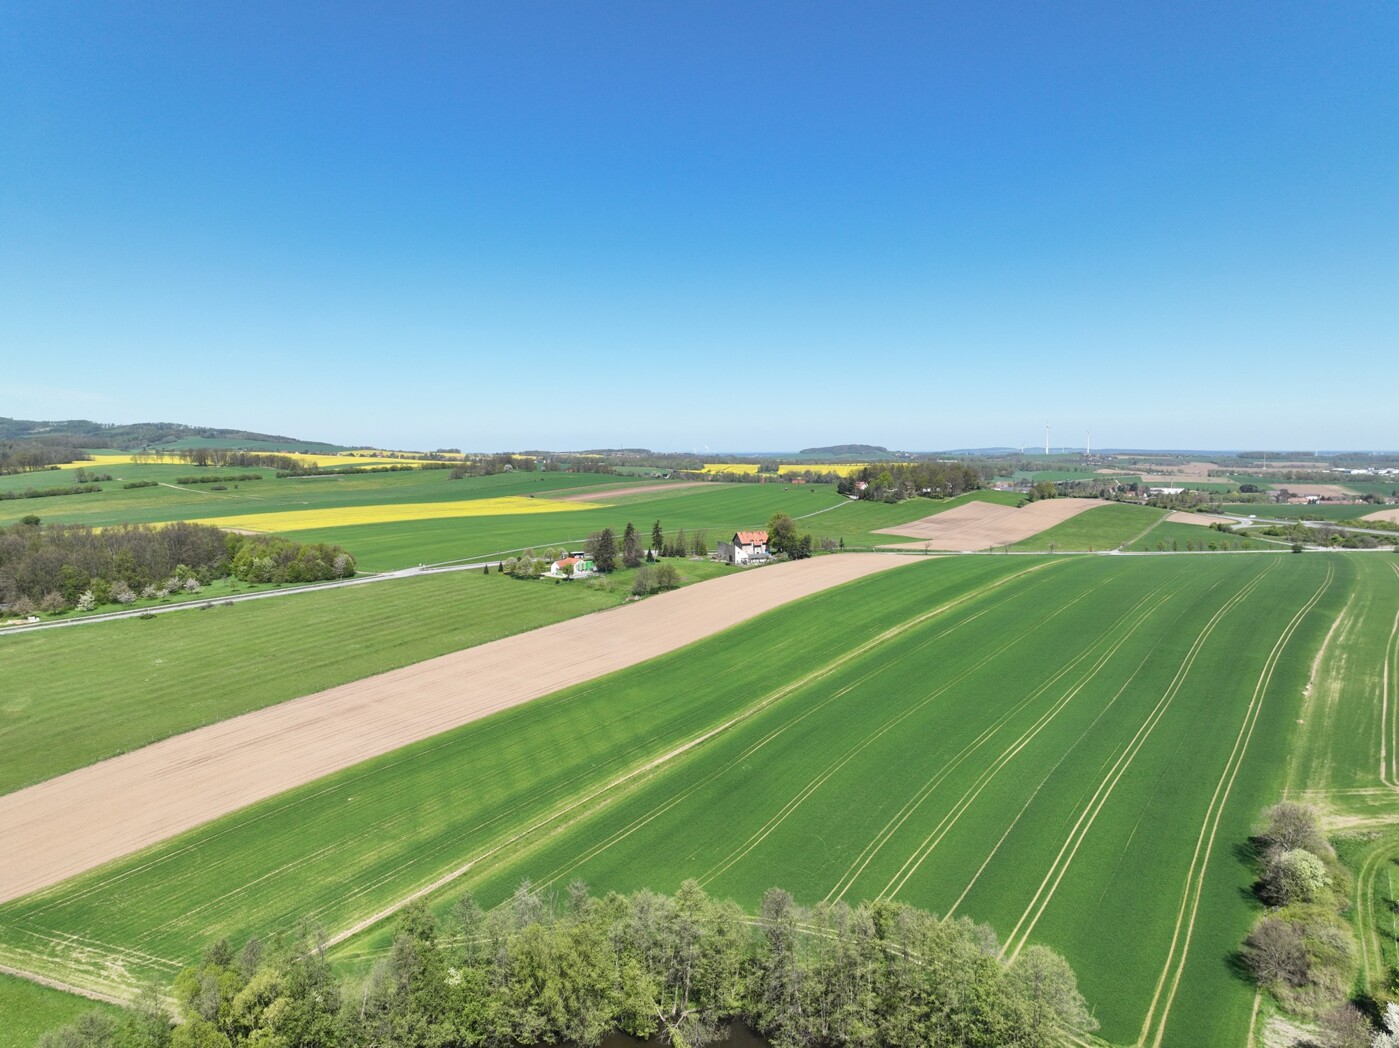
<point x="707" y="225"/>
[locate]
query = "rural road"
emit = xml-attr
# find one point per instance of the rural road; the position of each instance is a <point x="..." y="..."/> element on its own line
<point x="66" y="825"/>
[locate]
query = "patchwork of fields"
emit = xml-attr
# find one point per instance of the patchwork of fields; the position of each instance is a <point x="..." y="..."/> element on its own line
<point x="1070" y="749"/>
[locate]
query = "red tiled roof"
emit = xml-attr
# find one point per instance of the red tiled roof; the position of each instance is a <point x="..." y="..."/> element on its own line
<point x="753" y="538"/>
<point x="567" y="561"/>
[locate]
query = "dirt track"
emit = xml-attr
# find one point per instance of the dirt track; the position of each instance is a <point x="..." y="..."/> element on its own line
<point x="977" y="525"/>
<point x="59" y="828"/>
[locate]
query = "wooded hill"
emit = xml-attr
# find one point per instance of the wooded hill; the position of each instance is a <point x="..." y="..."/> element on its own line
<point x="87" y="434"/>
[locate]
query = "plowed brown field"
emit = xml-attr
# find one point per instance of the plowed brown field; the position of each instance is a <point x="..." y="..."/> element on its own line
<point x="977" y="525"/>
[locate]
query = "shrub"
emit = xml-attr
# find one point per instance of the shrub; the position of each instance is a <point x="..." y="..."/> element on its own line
<point x="86" y="601"/>
<point x="53" y="603"/>
<point x="1292" y="876"/>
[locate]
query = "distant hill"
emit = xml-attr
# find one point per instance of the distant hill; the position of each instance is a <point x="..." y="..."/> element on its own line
<point x="846" y="450"/>
<point x="88" y="434"/>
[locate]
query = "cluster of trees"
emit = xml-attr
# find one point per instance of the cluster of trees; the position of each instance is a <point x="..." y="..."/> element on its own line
<point x="489" y="465"/>
<point x="43" y="493"/>
<point x="30" y="456"/>
<point x="784" y="540"/>
<point x="655" y="579"/>
<point x="220" y="458"/>
<point x="58" y="567"/>
<point x="677" y="545"/>
<point x="893" y="481"/>
<point x="258" y="558"/>
<point x="1302" y="950"/>
<point x="543" y="970"/>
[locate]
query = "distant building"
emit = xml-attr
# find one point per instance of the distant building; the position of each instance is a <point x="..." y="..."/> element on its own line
<point x="746" y="547"/>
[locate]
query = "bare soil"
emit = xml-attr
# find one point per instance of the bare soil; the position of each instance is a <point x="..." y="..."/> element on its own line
<point x="1203" y="519"/>
<point x="56" y="829"/>
<point x="977" y="525"/>
<point x="1383" y="514"/>
<point x="601" y="494"/>
<point x="1323" y="490"/>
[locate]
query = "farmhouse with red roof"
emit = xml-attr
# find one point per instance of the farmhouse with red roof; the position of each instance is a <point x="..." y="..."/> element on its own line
<point x="746" y="547"/>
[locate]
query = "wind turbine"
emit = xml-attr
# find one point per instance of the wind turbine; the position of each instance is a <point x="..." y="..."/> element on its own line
<point x="1046" y="440"/>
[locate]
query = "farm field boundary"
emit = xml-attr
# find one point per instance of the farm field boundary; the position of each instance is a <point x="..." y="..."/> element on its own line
<point x="72" y="823"/>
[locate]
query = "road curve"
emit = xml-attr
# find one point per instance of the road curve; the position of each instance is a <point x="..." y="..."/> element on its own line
<point x="75" y="822"/>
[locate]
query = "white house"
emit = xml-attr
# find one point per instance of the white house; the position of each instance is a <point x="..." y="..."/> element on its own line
<point x="746" y="547"/>
<point x="581" y="564"/>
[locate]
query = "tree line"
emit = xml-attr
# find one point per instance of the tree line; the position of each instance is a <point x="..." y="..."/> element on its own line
<point x="59" y="567"/>
<point x="44" y="493"/>
<point x="545" y="968"/>
<point x="31" y="456"/>
<point x="1301" y="950"/>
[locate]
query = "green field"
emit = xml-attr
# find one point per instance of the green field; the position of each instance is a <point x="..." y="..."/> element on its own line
<point x="1097" y="529"/>
<point x="28" y="1010"/>
<point x="182" y="670"/>
<point x="1029" y="742"/>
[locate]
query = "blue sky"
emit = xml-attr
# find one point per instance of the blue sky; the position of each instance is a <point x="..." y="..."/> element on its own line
<point x="730" y="225"/>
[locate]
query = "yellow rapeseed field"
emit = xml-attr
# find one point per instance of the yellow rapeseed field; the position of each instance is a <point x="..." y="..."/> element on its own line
<point x="732" y="467"/>
<point x="343" y="516"/>
<point x="820" y="467"/>
<point x="790" y="467"/>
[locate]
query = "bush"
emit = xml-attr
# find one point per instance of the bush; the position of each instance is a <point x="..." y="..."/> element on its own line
<point x="1293" y="876"/>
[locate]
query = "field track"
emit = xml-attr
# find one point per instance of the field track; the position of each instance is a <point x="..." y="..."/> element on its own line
<point x="99" y="813"/>
<point x="978" y="525"/>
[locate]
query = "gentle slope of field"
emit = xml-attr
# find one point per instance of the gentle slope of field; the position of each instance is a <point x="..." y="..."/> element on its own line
<point x="999" y="737"/>
<point x="1103" y="527"/>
